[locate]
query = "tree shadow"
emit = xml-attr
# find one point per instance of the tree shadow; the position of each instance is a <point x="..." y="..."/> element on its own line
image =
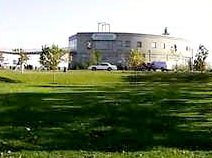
<point x="124" y="117"/>
<point x="168" y="77"/>
<point x="8" y="80"/>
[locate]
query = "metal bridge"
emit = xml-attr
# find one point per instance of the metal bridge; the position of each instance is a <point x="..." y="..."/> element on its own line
<point x="27" y="51"/>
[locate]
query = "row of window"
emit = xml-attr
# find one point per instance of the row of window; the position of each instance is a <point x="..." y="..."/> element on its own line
<point x="140" y="44"/>
<point x="154" y="45"/>
<point x="109" y="45"/>
<point x="73" y="44"/>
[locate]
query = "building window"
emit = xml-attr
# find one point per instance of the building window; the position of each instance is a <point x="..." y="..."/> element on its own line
<point x="103" y="45"/>
<point x="15" y="62"/>
<point x="175" y="47"/>
<point x="119" y="44"/>
<point x="163" y="45"/>
<point x="127" y="43"/>
<point x="187" y="48"/>
<point x="73" y="44"/>
<point x="139" y="44"/>
<point x="153" y="45"/>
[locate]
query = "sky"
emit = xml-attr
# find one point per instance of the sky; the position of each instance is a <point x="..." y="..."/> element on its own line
<point x="29" y="24"/>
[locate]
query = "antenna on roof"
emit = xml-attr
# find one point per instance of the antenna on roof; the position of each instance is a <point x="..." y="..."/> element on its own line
<point x="103" y="26"/>
<point x="166" y="31"/>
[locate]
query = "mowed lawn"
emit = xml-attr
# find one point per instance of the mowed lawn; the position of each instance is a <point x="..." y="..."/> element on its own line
<point x="105" y="114"/>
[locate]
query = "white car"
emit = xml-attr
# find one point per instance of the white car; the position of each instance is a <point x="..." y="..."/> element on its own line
<point x="103" y="66"/>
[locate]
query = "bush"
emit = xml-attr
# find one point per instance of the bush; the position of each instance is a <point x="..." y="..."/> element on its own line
<point x="79" y="66"/>
<point x="182" y="68"/>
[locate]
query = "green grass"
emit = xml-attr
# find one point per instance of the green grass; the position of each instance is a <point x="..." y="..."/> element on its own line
<point x="71" y="77"/>
<point x="105" y="114"/>
<point x="154" y="153"/>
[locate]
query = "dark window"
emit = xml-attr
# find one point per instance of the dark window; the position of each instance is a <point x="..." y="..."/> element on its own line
<point x="15" y="61"/>
<point x="119" y="43"/>
<point x="153" y="44"/>
<point x="187" y="48"/>
<point x="175" y="47"/>
<point x="163" y="45"/>
<point x="127" y="44"/>
<point x="103" y="45"/>
<point x="139" y="44"/>
<point x="73" y="44"/>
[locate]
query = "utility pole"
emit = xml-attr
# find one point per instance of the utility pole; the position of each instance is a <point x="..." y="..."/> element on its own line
<point x="192" y="60"/>
<point x="149" y="51"/>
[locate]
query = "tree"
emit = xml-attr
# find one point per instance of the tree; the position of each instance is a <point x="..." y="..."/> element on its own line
<point x="136" y="59"/>
<point x="44" y="57"/>
<point x="50" y="57"/>
<point x="94" y="57"/>
<point x="199" y="62"/>
<point x="22" y="58"/>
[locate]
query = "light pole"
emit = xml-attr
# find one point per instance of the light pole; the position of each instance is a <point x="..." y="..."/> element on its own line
<point x="149" y="51"/>
<point x="192" y="60"/>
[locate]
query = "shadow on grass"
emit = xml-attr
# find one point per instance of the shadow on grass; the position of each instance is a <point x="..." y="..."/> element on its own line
<point x="8" y="80"/>
<point x="129" y="118"/>
<point x="168" y="77"/>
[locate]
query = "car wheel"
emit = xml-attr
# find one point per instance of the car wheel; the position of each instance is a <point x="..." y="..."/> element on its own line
<point x="93" y="69"/>
<point x="109" y="69"/>
<point x="162" y="69"/>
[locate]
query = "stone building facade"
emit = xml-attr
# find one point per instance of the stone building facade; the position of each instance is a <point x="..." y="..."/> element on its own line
<point x="115" y="47"/>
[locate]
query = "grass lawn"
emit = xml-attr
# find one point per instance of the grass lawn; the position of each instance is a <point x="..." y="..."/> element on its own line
<point x="105" y="114"/>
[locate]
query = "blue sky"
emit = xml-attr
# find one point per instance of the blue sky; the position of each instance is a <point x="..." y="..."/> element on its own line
<point x="33" y="23"/>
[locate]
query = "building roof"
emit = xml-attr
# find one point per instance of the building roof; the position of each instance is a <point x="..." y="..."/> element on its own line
<point x="133" y="34"/>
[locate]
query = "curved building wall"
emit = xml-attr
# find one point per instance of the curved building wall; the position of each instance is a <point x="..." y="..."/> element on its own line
<point x="115" y="47"/>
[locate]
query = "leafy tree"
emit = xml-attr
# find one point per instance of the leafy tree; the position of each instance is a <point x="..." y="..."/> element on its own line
<point x="50" y="57"/>
<point x="94" y="57"/>
<point x="44" y="57"/>
<point x="136" y="59"/>
<point x="199" y="62"/>
<point x="22" y="57"/>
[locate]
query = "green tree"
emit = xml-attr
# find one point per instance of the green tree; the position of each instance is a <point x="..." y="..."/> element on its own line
<point x="136" y="59"/>
<point x="50" y="57"/>
<point x="22" y="58"/>
<point x="44" y="57"/>
<point x="94" y="57"/>
<point x="199" y="62"/>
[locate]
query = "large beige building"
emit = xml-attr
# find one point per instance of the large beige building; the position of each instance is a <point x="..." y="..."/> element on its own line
<point x="115" y="47"/>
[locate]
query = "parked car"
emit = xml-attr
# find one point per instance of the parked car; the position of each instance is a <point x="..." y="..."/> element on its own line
<point x="142" y="67"/>
<point x="157" y="65"/>
<point x="103" y="66"/>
